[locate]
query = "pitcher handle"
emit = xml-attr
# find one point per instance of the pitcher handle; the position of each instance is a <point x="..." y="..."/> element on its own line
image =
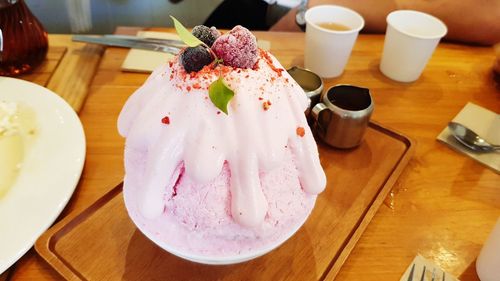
<point x="316" y="111"/>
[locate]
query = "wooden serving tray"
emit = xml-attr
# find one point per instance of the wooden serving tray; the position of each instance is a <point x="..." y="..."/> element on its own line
<point x="68" y="69"/>
<point x="102" y="243"/>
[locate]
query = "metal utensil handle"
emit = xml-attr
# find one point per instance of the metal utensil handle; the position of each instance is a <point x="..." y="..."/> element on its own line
<point x="115" y="42"/>
<point x="168" y="42"/>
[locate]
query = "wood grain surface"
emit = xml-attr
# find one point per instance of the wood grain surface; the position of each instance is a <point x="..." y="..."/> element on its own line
<point x="68" y="69"/>
<point x="443" y="205"/>
<point x="42" y="74"/>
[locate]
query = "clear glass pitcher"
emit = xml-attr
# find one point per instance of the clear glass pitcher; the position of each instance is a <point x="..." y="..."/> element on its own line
<point x="24" y="42"/>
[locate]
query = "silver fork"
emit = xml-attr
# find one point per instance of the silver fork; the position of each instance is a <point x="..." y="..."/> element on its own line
<point x="422" y="278"/>
<point x="410" y="276"/>
<point x="423" y="275"/>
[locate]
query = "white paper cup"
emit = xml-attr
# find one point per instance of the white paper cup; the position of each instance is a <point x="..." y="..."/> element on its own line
<point x="488" y="262"/>
<point x="410" y="40"/>
<point x="327" y="51"/>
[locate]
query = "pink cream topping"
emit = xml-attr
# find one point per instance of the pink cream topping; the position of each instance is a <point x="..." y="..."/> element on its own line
<point x="172" y="119"/>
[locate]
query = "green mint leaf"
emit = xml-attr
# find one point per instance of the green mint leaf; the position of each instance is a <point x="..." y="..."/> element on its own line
<point x="220" y="94"/>
<point x="185" y="35"/>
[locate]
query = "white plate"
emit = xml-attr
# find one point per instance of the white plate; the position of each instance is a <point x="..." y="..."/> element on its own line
<point x="51" y="169"/>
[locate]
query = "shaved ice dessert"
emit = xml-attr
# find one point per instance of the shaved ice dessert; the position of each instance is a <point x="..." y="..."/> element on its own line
<point x="220" y="163"/>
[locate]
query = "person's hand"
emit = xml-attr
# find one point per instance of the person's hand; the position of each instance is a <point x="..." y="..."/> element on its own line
<point x="287" y="23"/>
<point x="480" y="27"/>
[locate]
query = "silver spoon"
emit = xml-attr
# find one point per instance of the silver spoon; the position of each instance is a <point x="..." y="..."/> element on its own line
<point x="470" y="139"/>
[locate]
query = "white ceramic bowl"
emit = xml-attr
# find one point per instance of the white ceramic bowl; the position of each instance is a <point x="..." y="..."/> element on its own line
<point x="205" y="259"/>
<point x="215" y="260"/>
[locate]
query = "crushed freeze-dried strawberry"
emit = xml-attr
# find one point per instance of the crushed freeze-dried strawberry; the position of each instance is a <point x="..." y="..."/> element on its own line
<point x="266" y="105"/>
<point x="300" y="131"/>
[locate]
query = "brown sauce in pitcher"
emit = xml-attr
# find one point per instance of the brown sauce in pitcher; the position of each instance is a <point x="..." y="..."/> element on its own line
<point x="349" y="97"/>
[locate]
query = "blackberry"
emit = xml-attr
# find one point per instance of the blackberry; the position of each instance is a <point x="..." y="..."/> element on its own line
<point x="237" y="48"/>
<point x="195" y="58"/>
<point x="206" y="34"/>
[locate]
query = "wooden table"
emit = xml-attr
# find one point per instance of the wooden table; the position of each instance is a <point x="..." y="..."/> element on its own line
<point x="443" y="205"/>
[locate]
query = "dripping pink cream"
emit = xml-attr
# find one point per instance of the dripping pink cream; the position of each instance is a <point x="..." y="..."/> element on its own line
<point x="249" y="139"/>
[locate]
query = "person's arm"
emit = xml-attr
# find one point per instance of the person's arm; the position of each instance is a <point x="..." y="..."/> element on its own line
<point x="472" y="21"/>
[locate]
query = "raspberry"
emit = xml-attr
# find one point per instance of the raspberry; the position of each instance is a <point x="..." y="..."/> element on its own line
<point x="195" y="58"/>
<point x="205" y="34"/>
<point x="238" y="48"/>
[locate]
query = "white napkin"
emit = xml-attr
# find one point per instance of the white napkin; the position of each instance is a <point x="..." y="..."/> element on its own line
<point x="146" y="61"/>
<point x="431" y="270"/>
<point x="484" y="122"/>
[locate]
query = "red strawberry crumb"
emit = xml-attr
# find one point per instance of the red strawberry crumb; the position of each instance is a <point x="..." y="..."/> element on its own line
<point x="269" y="61"/>
<point x="170" y="63"/>
<point x="165" y="120"/>
<point x="196" y="86"/>
<point x="261" y="98"/>
<point x="218" y="112"/>
<point x="300" y="131"/>
<point x="266" y="105"/>
<point x="226" y="69"/>
<point x="247" y="76"/>
<point x="188" y="88"/>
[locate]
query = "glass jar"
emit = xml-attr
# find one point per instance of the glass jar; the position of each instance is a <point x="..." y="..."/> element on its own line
<point x="25" y="41"/>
